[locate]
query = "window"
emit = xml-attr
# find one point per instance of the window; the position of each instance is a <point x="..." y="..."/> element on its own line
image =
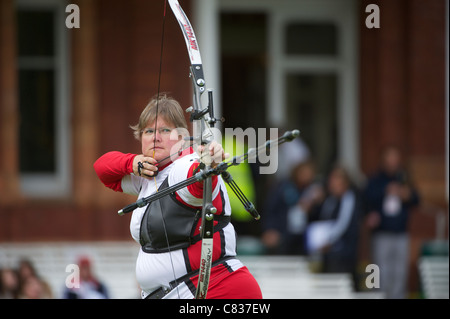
<point x="244" y="68"/>
<point x="43" y="98"/>
<point x="308" y="71"/>
<point x="311" y="105"/>
<point x="311" y="38"/>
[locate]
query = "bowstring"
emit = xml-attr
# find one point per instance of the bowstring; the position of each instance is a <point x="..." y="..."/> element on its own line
<point x="159" y="85"/>
<point x="154" y="143"/>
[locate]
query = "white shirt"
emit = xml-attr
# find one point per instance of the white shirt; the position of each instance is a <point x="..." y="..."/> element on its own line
<point x="156" y="270"/>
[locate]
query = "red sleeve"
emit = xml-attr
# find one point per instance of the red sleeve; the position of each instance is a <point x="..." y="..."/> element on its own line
<point x="112" y="167"/>
<point x="196" y="189"/>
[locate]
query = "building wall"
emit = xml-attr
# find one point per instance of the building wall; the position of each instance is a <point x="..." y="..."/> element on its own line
<point x="115" y="60"/>
<point x="402" y="102"/>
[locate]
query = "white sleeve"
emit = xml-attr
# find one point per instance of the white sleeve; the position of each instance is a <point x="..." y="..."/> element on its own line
<point x="131" y="184"/>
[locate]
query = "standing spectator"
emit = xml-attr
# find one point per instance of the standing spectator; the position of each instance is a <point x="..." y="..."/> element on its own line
<point x="333" y="229"/>
<point x="390" y="197"/>
<point x="290" y="155"/>
<point x="90" y="286"/>
<point x="285" y="211"/>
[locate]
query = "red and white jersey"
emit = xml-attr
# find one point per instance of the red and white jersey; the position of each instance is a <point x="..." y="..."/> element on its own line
<point x="154" y="270"/>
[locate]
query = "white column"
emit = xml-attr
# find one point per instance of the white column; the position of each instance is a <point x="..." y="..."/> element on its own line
<point x="205" y="21"/>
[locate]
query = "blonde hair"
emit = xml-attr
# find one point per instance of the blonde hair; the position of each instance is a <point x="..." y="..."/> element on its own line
<point x="168" y="109"/>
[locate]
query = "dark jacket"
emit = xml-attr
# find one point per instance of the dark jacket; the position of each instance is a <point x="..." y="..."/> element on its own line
<point x="375" y="194"/>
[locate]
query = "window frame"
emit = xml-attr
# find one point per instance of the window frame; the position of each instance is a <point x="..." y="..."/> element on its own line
<point x="57" y="184"/>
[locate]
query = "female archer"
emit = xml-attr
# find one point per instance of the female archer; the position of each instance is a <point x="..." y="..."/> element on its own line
<point x="167" y="229"/>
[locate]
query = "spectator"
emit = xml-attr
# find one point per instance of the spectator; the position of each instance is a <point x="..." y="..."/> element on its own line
<point x="9" y="283"/>
<point x="284" y="213"/>
<point x="90" y="287"/>
<point x="31" y="282"/>
<point x="333" y="225"/>
<point x="26" y="269"/>
<point x="290" y="155"/>
<point x="390" y="197"/>
<point x="33" y="288"/>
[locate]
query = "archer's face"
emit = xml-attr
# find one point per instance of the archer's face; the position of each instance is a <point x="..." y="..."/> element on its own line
<point x="162" y="143"/>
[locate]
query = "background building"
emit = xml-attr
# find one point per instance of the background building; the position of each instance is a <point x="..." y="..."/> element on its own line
<point x="69" y="95"/>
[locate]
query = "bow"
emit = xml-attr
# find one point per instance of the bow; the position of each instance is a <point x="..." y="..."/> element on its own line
<point x="202" y="135"/>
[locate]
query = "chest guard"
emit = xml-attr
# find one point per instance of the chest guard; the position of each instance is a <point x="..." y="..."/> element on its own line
<point x="168" y="224"/>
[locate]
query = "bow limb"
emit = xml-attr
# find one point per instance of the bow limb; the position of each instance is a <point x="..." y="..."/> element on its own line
<point x="202" y="135"/>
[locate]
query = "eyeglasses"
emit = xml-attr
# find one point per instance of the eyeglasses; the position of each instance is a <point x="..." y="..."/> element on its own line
<point x="162" y="131"/>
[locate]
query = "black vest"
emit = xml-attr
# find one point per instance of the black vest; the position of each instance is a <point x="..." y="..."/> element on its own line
<point x="169" y="225"/>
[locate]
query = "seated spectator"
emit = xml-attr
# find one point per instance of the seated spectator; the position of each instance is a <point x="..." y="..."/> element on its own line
<point x="32" y="288"/>
<point x="90" y="287"/>
<point x="9" y="283"/>
<point x="32" y="285"/>
<point x="284" y="213"/>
